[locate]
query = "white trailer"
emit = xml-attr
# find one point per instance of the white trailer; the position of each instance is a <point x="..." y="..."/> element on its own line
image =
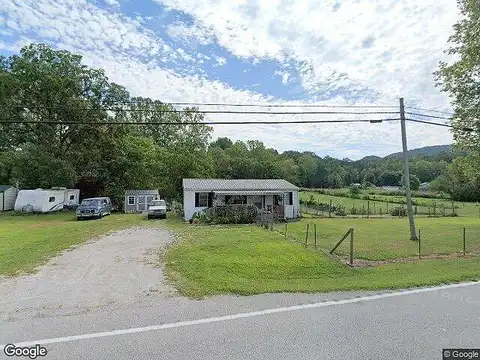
<point x="46" y="200"/>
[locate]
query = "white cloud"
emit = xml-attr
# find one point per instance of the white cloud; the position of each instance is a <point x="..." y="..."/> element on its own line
<point x="195" y="33"/>
<point x="220" y="61"/>
<point x="387" y="50"/>
<point x="389" y="47"/>
<point x="112" y="2"/>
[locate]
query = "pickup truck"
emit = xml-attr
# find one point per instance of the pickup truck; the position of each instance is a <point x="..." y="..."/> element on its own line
<point x="94" y="208"/>
<point x="157" y="209"/>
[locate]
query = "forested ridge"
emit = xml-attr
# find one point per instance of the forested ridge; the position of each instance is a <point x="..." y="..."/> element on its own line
<point x="65" y="124"/>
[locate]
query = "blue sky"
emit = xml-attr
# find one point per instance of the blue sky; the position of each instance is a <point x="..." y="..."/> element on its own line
<point x="258" y="52"/>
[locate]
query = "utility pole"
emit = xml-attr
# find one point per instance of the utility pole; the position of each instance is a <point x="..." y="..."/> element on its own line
<point x="406" y="173"/>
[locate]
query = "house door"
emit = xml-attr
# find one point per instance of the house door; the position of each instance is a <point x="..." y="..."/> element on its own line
<point x="141" y="203"/>
<point x="150" y="198"/>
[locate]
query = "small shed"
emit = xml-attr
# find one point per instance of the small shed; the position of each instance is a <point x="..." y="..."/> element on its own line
<point x="137" y="200"/>
<point x="8" y="195"/>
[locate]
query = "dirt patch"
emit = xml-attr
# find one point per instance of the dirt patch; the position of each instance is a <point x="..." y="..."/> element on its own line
<point x="117" y="269"/>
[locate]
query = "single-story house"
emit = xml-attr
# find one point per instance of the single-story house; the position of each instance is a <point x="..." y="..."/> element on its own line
<point x="138" y="200"/>
<point x="8" y="195"/>
<point x="271" y="195"/>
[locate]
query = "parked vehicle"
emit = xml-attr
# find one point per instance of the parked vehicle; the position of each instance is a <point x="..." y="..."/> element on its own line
<point x="94" y="208"/>
<point x="157" y="209"/>
<point x="46" y="200"/>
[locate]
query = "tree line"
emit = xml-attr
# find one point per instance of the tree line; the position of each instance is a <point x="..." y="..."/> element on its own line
<point x="65" y="124"/>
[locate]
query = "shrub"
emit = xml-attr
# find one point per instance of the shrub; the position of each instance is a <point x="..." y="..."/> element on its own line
<point x="398" y="211"/>
<point x="355" y="191"/>
<point x="340" y="211"/>
<point x="228" y="214"/>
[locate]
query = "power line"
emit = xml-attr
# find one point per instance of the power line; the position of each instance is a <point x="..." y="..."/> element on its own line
<point x="221" y="111"/>
<point x="430" y="123"/>
<point x="196" y="123"/>
<point x="430" y="110"/>
<point x="282" y="105"/>
<point x="262" y="105"/>
<point x="429" y="116"/>
<point x="443" y="125"/>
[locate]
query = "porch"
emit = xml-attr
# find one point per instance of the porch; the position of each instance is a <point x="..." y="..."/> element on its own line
<point x="267" y="202"/>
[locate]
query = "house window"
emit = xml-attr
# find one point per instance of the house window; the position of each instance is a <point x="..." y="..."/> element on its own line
<point x="290" y="198"/>
<point x="72" y="197"/>
<point x="51" y="199"/>
<point x="131" y="200"/>
<point x="201" y="199"/>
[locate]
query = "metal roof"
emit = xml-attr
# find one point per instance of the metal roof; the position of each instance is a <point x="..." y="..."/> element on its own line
<point x="141" y="192"/>
<point x="237" y="185"/>
<point x="249" y="192"/>
<point x="5" y="187"/>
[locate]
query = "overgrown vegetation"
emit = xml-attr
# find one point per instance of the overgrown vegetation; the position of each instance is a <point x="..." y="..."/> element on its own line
<point x="226" y="214"/>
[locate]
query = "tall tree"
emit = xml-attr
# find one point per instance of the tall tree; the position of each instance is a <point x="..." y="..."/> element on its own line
<point x="460" y="78"/>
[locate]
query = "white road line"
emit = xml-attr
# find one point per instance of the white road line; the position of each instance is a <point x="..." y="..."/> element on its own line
<point x="238" y="316"/>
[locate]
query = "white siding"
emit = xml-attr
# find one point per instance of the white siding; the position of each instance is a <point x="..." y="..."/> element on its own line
<point x="291" y="211"/>
<point x="8" y="198"/>
<point x="189" y="205"/>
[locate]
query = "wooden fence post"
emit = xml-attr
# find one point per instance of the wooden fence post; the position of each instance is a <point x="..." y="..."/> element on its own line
<point x="286" y="228"/>
<point x="419" y="245"/>
<point x="306" y="235"/>
<point x="351" y="246"/>
<point x="374" y="209"/>
<point x="315" y="231"/>
<point x="464" y="243"/>
<point x="330" y="210"/>
<point x="387" y="206"/>
<point x="368" y="209"/>
<point x="434" y="209"/>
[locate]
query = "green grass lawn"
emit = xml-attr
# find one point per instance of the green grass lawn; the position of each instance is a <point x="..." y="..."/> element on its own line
<point x="28" y="241"/>
<point x="462" y="209"/>
<point x="383" y="239"/>
<point x="209" y="260"/>
<point x="250" y="260"/>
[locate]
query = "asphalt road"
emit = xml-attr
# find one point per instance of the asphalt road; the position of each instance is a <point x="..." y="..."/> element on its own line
<point x="350" y="326"/>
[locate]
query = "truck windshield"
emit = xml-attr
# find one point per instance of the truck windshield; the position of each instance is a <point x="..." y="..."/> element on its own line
<point x="158" y="203"/>
<point x="91" y="202"/>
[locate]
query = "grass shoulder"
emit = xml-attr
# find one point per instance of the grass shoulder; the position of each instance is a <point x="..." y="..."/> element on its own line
<point x="247" y="260"/>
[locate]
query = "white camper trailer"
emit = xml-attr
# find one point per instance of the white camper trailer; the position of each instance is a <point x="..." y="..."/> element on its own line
<point x="46" y="200"/>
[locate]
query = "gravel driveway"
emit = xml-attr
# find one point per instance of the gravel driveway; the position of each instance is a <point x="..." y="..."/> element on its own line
<point x="115" y="270"/>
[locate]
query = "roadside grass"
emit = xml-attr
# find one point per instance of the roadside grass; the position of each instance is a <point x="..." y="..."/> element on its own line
<point x="246" y="260"/>
<point x="384" y="239"/>
<point x="30" y="240"/>
<point x="380" y="202"/>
